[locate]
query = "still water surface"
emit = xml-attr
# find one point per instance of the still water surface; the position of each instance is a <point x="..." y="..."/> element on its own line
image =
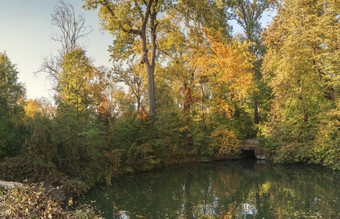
<point x="228" y="189"/>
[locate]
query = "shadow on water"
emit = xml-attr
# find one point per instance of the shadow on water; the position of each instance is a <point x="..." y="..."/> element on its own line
<point x="226" y="189"/>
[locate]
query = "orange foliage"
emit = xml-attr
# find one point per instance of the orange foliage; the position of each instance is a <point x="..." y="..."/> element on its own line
<point x="34" y="106"/>
<point x="143" y="114"/>
<point x="104" y="107"/>
<point x="229" y="69"/>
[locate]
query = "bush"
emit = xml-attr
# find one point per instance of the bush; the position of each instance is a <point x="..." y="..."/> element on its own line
<point x="292" y="152"/>
<point x="225" y="141"/>
<point x="326" y="146"/>
<point x="22" y="168"/>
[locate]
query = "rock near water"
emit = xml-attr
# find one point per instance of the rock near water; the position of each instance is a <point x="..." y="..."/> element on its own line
<point x="9" y="185"/>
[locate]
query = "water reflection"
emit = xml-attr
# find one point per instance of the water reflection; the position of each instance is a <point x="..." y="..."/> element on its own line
<point x="233" y="189"/>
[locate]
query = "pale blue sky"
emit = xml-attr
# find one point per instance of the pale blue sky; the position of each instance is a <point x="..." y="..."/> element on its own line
<point x="26" y="32"/>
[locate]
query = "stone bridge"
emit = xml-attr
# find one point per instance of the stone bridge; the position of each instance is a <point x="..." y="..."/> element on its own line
<point x="252" y="147"/>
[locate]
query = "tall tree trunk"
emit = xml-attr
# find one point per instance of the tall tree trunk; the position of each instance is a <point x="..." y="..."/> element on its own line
<point x="151" y="90"/>
<point x="203" y="108"/>
<point x="148" y="59"/>
<point x="186" y="112"/>
<point x="151" y="79"/>
<point x="256" y="112"/>
<point x="150" y="66"/>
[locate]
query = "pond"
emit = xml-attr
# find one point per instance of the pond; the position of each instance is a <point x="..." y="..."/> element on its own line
<point x="227" y="189"/>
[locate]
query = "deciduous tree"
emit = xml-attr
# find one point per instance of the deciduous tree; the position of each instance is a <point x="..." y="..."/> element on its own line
<point x="77" y="85"/>
<point x="12" y="95"/>
<point x="134" y="26"/>
<point x="302" y="62"/>
<point x="132" y="77"/>
<point x="72" y="29"/>
<point x="248" y="15"/>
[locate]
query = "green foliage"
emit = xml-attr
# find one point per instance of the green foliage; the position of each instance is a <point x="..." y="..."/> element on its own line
<point x="76" y="81"/>
<point x="12" y="134"/>
<point x="302" y="64"/>
<point x="11" y="92"/>
<point x="78" y="143"/>
<point x="40" y="145"/>
<point x="30" y="168"/>
<point x="201" y="142"/>
<point x="292" y="152"/>
<point x="138" y="140"/>
<point x="125" y="131"/>
<point x="242" y="125"/>
<point x="248" y="15"/>
<point x="326" y="146"/>
<point x="12" y="128"/>
<point x="111" y="164"/>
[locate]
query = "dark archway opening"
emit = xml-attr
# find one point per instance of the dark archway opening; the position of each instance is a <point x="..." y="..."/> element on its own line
<point x="248" y="154"/>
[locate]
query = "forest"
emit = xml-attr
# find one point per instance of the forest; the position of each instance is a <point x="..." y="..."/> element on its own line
<point x="182" y="88"/>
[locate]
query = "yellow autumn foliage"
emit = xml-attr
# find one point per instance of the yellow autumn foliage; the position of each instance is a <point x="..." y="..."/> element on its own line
<point x="225" y="140"/>
<point x="229" y="68"/>
<point x="34" y="106"/>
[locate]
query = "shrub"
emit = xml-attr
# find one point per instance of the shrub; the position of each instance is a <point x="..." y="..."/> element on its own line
<point x="225" y="141"/>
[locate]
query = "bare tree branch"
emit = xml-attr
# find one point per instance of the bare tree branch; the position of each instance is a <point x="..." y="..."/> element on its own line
<point x="72" y="28"/>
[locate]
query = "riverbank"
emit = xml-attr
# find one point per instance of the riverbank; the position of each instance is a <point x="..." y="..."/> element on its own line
<point x="23" y="169"/>
<point x="52" y="198"/>
<point x="59" y="208"/>
<point x="65" y="188"/>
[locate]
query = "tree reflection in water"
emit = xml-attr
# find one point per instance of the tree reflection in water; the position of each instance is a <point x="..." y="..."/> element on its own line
<point x="241" y="189"/>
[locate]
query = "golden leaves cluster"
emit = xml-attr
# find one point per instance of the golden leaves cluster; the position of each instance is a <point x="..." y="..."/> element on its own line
<point x="228" y="66"/>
